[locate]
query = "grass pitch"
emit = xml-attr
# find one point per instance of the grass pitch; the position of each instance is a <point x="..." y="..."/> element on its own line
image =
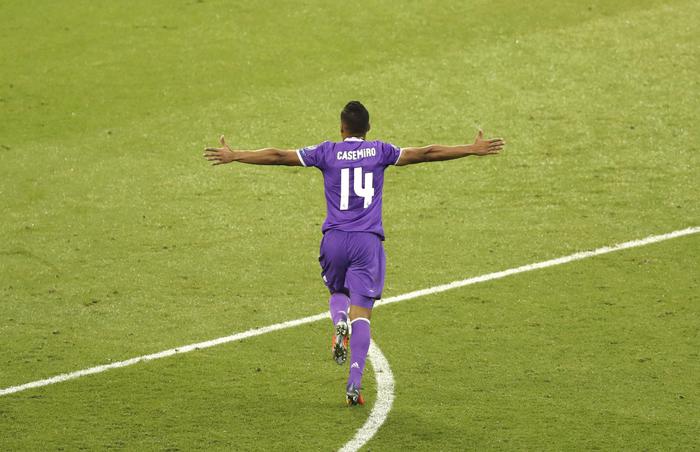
<point x="117" y="240"/>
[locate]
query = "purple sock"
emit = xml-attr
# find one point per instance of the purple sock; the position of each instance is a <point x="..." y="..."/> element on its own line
<point x="359" y="345"/>
<point x="338" y="305"/>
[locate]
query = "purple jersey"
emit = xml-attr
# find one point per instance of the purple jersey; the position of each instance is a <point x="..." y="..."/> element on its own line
<point x="353" y="177"/>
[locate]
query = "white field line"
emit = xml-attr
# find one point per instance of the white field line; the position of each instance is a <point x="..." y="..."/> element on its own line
<point x="538" y="265"/>
<point x="384" y="376"/>
<point x="382" y="406"/>
<point x="292" y="323"/>
<point x="165" y="353"/>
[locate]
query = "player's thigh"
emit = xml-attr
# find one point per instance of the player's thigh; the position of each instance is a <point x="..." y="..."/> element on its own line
<point x="334" y="260"/>
<point x="365" y="274"/>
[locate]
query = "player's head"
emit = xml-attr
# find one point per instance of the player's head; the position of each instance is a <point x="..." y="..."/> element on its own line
<point x="354" y="120"/>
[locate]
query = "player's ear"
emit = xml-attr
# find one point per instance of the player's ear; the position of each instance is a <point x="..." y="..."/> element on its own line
<point x="369" y="126"/>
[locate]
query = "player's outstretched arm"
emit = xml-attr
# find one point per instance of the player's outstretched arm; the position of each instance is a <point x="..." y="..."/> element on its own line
<point x="267" y="156"/>
<point x="437" y="152"/>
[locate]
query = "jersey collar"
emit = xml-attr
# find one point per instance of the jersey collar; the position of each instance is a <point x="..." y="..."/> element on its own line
<point x="353" y="139"/>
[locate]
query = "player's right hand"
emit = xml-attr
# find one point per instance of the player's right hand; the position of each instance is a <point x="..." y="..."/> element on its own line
<point x="489" y="146"/>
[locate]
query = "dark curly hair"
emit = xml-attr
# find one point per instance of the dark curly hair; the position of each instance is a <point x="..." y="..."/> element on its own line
<point x="355" y="117"/>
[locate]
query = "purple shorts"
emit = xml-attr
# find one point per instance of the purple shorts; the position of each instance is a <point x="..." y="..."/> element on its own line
<point x="353" y="263"/>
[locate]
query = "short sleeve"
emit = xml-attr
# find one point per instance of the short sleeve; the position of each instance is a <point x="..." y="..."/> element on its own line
<point x="311" y="155"/>
<point x="390" y="154"/>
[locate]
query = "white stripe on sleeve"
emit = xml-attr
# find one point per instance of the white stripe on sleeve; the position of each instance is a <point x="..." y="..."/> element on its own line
<point x="300" y="159"/>
<point x="397" y="158"/>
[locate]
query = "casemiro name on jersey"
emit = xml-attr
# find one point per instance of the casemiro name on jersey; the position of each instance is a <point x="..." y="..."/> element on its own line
<point x="356" y="155"/>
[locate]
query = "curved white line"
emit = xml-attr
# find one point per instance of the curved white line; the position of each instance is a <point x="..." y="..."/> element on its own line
<point x="382" y="406"/>
<point x="324" y="315"/>
<point x="384" y="376"/>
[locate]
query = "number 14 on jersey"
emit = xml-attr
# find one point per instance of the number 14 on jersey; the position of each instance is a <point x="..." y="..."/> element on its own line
<point x="364" y="190"/>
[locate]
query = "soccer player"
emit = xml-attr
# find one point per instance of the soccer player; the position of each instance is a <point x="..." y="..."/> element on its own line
<point x="352" y="256"/>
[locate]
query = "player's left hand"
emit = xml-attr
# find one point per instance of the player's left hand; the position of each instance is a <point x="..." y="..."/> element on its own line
<point x="221" y="155"/>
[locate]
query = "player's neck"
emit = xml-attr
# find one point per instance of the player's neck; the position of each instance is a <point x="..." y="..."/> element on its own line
<point x="353" y="137"/>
